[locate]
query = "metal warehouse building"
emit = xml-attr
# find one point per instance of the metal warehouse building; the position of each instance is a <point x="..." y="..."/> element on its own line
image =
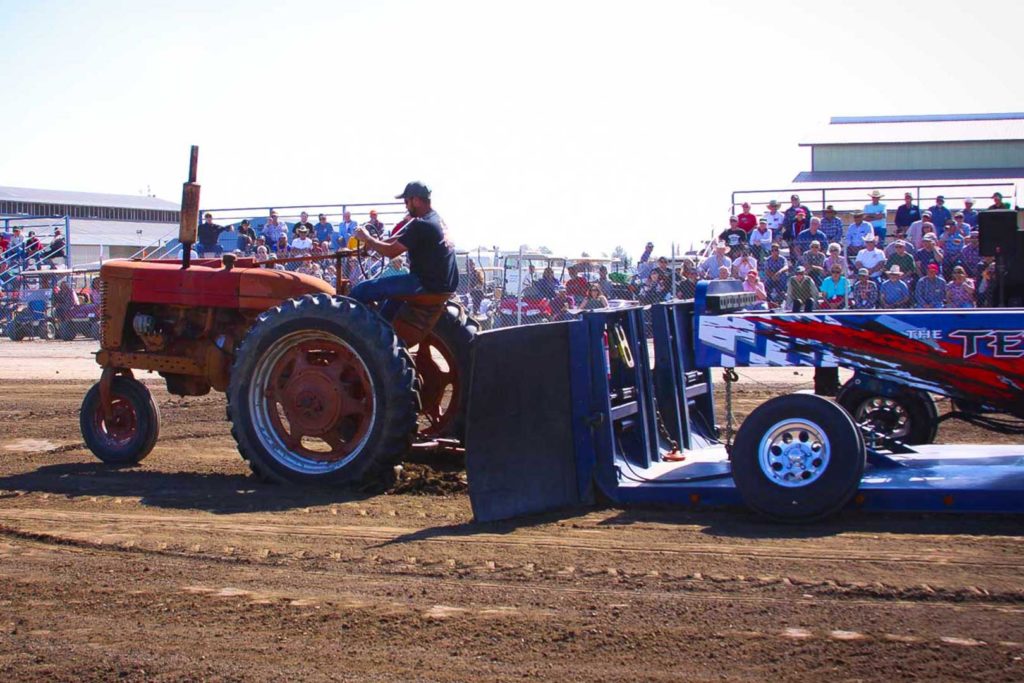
<point x="960" y="147"/>
<point x="955" y="155"/>
<point x="100" y="226"/>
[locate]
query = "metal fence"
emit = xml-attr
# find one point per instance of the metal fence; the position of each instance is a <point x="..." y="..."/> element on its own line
<point x="51" y="303"/>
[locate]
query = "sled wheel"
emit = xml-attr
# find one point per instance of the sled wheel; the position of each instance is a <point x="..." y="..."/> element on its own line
<point x="134" y="425"/>
<point x="442" y="364"/>
<point x="66" y="332"/>
<point x="908" y="416"/>
<point x="797" y="458"/>
<point x="322" y="392"/>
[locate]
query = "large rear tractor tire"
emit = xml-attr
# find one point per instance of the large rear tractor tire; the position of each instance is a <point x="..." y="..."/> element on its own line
<point x="908" y="415"/>
<point x="442" y="364"/>
<point x="131" y="432"/>
<point x="797" y="458"/>
<point x="66" y="331"/>
<point x="322" y="393"/>
<point x="16" y="332"/>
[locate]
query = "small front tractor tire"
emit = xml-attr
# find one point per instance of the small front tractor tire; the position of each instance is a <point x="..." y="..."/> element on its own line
<point x="322" y="393"/>
<point x="132" y="431"/>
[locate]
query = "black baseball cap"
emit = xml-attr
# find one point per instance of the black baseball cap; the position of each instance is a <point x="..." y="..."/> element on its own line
<point x="414" y="189"/>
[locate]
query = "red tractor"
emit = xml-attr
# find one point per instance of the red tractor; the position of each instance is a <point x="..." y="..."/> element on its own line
<point x="320" y="388"/>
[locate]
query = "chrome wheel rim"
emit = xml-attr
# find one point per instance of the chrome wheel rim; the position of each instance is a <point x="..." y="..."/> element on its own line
<point x="794" y="453"/>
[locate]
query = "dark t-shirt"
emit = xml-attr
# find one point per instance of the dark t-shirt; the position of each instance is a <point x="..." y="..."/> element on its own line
<point x="209" y="232"/>
<point x="431" y="255"/>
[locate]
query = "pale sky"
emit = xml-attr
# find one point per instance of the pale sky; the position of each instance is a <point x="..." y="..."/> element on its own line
<point x="574" y="125"/>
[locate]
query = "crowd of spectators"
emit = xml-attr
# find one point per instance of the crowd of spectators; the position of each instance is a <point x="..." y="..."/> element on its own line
<point x="22" y="248"/>
<point x="276" y="240"/>
<point x="795" y="260"/>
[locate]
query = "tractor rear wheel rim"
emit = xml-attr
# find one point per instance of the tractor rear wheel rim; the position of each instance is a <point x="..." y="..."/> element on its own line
<point x="121" y="428"/>
<point x="440" y="388"/>
<point x="884" y="415"/>
<point x="794" y="453"/>
<point x="312" y="401"/>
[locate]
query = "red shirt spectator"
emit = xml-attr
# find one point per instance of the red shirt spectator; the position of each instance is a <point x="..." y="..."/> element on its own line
<point x="746" y="220"/>
<point x="577" y="285"/>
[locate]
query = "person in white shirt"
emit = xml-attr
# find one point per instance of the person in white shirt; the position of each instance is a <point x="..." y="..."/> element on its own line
<point x="744" y="264"/>
<point x="774" y="217"/>
<point x="761" y="240"/>
<point x="871" y="258"/>
<point x="302" y="243"/>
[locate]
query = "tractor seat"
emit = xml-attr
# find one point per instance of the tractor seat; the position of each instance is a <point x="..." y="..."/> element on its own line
<point x="418" y="314"/>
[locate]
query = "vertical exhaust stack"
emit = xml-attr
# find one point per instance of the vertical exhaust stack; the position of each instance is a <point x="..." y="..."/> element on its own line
<point x="189" y="227"/>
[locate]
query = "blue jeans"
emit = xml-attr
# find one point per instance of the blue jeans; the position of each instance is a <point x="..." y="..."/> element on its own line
<point x="381" y="289"/>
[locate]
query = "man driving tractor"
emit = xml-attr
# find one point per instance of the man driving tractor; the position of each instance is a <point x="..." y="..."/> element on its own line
<point x="424" y="236"/>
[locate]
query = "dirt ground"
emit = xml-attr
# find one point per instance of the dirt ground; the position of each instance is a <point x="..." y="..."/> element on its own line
<point x="185" y="568"/>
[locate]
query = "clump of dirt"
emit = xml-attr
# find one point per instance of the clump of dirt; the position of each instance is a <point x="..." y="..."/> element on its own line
<point x="431" y="473"/>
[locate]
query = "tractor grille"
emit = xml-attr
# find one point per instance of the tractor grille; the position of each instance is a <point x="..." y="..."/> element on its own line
<point x="103" y="311"/>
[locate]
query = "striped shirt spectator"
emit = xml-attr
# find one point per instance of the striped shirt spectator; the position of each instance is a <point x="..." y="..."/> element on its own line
<point x="894" y="293"/>
<point x="930" y="291"/>
<point x="864" y="292"/>
<point x="832" y="225"/>
<point x="960" y="292"/>
<point x="814" y="261"/>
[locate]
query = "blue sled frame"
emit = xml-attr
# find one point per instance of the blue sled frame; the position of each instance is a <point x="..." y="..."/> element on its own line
<point x="567" y="414"/>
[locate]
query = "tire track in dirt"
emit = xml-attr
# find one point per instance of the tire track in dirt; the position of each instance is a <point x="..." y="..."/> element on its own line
<point x="383" y="535"/>
<point x="516" y="587"/>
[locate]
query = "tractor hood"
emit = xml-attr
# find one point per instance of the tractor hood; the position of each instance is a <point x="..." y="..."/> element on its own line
<point x="204" y="285"/>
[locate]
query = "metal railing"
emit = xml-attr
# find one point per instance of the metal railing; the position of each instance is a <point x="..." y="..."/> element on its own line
<point x="848" y="198"/>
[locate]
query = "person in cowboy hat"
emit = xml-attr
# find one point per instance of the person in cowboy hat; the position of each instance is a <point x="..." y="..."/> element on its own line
<point x="774" y="217"/>
<point x="301" y="244"/>
<point x="970" y="213"/>
<point x="894" y="292"/>
<point x="874" y="213"/>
